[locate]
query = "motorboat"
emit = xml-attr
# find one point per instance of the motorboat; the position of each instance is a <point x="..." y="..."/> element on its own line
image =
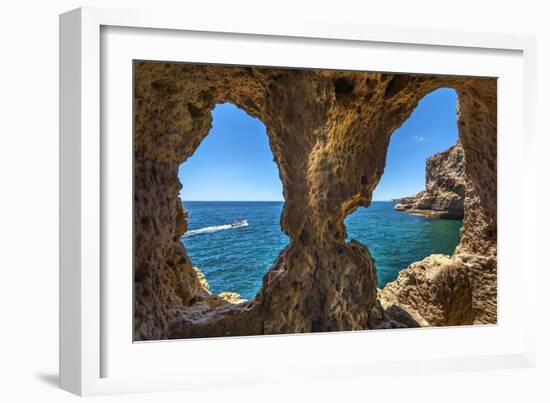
<point x="239" y="222"/>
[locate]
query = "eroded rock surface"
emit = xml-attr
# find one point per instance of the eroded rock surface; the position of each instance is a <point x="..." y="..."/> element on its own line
<point x="445" y="290"/>
<point x="329" y="132"/>
<point x="445" y="188"/>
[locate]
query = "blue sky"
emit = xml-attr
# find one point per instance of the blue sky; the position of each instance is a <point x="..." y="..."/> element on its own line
<point x="431" y="128"/>
<point x="234" y="162"/>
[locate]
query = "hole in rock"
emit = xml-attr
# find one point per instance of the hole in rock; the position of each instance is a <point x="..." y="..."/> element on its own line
<point x="416" y="162"/>
<point x="233" y="194"/>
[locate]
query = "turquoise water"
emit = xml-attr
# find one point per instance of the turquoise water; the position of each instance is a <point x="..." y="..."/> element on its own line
<point x="396" y="239"/>
<point x="236" y="258"/>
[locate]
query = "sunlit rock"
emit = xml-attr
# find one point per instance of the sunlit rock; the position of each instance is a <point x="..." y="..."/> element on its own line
<point x="329" y="133"/>
<point x="445" y="188"/>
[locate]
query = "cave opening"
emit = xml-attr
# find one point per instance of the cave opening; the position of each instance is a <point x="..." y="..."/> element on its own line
<point x="329" y="133"/>
<point x="232" y="192"/>
<point x="417" y="207"/>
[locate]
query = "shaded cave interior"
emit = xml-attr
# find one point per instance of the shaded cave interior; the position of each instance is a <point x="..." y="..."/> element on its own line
<point x="329" y="132"/>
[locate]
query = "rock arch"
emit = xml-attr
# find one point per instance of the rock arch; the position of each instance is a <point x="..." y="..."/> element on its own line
<point x="329" y="132"/>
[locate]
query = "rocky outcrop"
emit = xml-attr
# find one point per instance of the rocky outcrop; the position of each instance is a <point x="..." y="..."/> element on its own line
<point x="422" y="290"/>
<point x="446" y="290"/>
<point x="225" y="296"/>
<point x="445" y="188"/>
<point x="329" y="133"/>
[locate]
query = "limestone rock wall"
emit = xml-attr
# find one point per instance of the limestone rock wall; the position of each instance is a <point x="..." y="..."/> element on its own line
<point x="329" y="133"/>
<point x="445" y="187"/>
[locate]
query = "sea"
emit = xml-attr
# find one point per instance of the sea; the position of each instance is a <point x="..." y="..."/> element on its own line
<point x="235" y="255"/>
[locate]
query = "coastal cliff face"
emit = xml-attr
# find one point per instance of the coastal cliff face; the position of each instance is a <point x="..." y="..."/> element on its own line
<point x="445" y="187"/>
<point x="329" y="132"/>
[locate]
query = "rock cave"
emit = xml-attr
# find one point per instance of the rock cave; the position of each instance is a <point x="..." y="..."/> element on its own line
<point x="329" y="133"/>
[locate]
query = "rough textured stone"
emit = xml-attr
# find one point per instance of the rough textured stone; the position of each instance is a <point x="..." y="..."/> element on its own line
<point x="329" y="132"/>
<point x="445" y="187"/>
<point x="443" y="291"/>
<point x="435" y="291"/>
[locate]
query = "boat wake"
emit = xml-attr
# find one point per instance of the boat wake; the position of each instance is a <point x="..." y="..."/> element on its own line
<point x="216" y="228"/>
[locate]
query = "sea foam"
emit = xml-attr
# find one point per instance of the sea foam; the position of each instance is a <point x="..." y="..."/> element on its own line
<point x="215" y="228"/>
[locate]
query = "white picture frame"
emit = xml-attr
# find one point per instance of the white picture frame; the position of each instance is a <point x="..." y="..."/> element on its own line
<point x="85" y="342"/>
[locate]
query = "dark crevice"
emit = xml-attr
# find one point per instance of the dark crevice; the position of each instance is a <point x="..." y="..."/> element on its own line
<point x="343" y="86"/>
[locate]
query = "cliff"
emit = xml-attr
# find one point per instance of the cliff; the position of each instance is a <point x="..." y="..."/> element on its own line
<point x="445" y="187"/>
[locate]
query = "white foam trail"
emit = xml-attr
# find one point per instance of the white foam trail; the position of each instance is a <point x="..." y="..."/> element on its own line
<point x="216" y="228"/>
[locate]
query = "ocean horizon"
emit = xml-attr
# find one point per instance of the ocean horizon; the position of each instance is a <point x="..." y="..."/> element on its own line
<point x="235" y="255"/>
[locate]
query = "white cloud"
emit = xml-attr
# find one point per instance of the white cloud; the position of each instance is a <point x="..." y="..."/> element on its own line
<point x="420" y="138"/>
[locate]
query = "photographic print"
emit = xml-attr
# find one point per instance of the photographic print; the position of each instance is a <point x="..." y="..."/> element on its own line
<point x="272" y="200"/>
